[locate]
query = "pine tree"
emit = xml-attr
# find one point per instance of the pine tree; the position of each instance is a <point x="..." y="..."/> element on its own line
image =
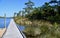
<point x="29" y="6"/>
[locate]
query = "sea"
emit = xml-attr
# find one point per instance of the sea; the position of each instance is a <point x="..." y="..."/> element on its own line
<point x="2" y="25"/>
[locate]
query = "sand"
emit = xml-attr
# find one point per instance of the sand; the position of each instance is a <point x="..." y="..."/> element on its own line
<point x="2" y="30"/>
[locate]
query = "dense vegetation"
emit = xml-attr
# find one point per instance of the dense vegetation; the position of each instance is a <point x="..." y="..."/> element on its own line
<point x="44" y="20"/>
<point x="46" y="12"/>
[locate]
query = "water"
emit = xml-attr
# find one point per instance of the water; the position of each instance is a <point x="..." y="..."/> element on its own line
<point x="2" y="22"/>
<point x="7" y="23"/>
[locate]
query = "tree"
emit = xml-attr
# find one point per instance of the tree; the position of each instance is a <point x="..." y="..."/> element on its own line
<point x="59" y="3"/>
<point x="54" y="2"/>
<point x="23" y="13"/>
<point x="29" y="6"/>
<point x="19" y="13"/>
<point x="14" y="14"/>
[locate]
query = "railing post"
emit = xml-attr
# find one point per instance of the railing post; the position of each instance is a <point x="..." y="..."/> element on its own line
<point x="5" y="20"/>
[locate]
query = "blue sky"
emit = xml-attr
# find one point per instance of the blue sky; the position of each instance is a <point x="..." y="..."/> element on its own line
<point x="11" y="6"/>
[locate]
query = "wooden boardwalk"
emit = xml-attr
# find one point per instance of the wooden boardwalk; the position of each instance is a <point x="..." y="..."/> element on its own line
<point x="12" y="31"/>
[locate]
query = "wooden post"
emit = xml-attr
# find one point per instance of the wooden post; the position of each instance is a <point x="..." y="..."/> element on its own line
<point x="5" y="20"/>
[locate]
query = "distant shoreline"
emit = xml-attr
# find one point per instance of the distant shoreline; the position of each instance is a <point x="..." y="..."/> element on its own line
<point x="7" y="17"/>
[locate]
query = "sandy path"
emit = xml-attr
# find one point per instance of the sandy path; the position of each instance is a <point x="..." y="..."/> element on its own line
<point x="2" y="31"/>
